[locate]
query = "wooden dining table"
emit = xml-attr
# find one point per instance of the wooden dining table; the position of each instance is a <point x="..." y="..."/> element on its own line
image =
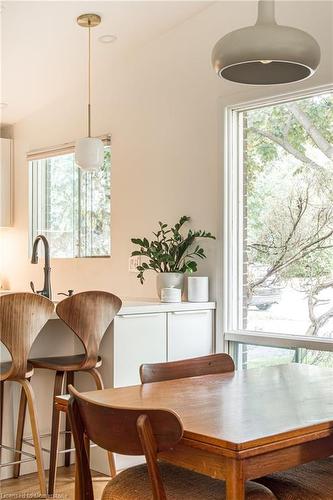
<point x="245" y="424"/>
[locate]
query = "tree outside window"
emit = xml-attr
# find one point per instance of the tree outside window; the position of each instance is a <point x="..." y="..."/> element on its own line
<point x="288" y="214"/>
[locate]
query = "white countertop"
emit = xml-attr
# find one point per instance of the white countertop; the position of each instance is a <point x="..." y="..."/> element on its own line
<point x="146" y="306"/>
<point x="150" y="305"/>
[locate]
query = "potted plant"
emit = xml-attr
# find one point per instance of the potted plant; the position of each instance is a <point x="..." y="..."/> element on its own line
<point x="170" y="254"/>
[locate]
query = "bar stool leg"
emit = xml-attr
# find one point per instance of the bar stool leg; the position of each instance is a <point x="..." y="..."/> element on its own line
<point x="2" y="387"/>
<point x="20" y="431"/>
<point x="68" y="435"/>
<point x="35" y="433"/>
<point x="87" y="446"/>
<point x="97" y="378"/>
<point x="112" y="464"/>
<point x="58" y="389"/>
<point x="77" y="492"/>
<point x="100" y="385"/>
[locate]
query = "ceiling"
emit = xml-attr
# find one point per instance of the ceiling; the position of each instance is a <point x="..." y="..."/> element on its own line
<point x="44" y="51"/>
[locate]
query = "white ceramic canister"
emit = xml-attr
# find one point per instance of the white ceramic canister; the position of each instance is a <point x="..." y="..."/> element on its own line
<point x="197" y="289"/>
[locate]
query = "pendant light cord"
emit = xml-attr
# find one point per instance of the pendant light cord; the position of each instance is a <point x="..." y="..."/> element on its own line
<point x="266" y="12"/>
<point x="89" y="82"/>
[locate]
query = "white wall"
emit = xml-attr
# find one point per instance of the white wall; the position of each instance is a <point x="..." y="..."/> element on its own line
<point x="162" y="107"/>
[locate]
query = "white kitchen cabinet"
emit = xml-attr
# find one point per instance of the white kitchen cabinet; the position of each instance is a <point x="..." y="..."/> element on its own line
<point x="6" y="182"/>
<point x="137" y="339"/>
<point x="190" y="334"/>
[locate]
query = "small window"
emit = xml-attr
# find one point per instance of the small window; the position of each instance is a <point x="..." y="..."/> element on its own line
<point x="70" y="207"/>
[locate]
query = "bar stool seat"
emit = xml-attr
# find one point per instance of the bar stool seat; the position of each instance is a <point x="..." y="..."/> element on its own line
<point x="63" y="363"/>
<point x="6" y="366"/>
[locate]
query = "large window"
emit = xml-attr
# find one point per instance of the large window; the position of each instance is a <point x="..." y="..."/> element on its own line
<point x="69" y="206"/>
<point x="279" y="224"/>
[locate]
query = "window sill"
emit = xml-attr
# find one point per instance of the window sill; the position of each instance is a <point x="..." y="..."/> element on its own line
<point x="279" y="340"/>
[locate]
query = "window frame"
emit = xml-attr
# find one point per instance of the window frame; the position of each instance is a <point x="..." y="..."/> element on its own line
<point x="232" y="235"/>
<point x="35" y="186"/>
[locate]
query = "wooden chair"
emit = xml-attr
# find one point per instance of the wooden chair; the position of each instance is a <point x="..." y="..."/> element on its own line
<point x="22" y="316"/>
<point x="147" y="432"/>
<point x="310" y="481"/>
<point x="194" y="367"/>
<point x="88" y="315"/>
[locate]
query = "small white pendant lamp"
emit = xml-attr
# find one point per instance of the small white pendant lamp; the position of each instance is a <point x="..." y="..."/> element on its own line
<point x="266" y="53"/>
<point x="89" y="151"/>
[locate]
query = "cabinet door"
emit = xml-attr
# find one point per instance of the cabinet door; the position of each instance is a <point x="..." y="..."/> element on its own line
<point x="138" y="338"/>
<point x="190" y="334"/>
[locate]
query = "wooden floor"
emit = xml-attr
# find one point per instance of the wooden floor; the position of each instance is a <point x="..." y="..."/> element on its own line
<point x="28" y="484"/>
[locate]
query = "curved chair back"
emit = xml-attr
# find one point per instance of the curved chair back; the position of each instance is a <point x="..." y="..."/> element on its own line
<point x="22" y="316"/>
<point x="127" y="431"/>
<point x="194" y="367"/>
<point x="88" y="315"/>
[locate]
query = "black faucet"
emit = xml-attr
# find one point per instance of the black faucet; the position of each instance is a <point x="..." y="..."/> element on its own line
<point x="46" y="292"/>
<point x="69" y="294"/>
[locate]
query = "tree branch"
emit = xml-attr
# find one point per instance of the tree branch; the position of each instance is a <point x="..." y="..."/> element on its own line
<point x="281" y="264"/>
<point x="287" y="147"/>
<point x="318" y="321"/>
<point x="313" y="132"/>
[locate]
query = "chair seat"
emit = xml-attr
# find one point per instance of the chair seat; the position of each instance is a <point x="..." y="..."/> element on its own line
<point x="179" y="484"/>
<point x="6" y="366"/>
<point x="311" y="481"/>
<point x="62" y="363"/>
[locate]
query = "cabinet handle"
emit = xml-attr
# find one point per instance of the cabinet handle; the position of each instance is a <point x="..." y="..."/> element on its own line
<point x="202" y="311"/>
<point x="142" y="315"/>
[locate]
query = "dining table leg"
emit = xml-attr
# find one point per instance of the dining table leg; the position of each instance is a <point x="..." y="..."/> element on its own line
<point x="235" y="483"/>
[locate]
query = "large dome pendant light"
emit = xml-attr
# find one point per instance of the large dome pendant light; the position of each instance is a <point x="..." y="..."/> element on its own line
<point x="266" y="53"/>
<point x="89" y="151"/>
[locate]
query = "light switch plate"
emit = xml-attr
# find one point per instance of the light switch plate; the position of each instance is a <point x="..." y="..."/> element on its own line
<point x="133" y="263"/>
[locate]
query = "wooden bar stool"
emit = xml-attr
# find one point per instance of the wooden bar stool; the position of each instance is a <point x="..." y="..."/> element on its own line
<point x="193" y="367"/>
<point x="88" y="315"/>
<point x="22" y="316"/>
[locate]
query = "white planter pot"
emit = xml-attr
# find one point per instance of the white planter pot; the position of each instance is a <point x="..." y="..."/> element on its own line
<point x="169" y="280"/>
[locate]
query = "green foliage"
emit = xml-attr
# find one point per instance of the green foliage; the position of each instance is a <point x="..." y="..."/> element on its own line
<point x="98" y="210"/>
<point x="170" y="251"/>
<point x="280" y="122"/>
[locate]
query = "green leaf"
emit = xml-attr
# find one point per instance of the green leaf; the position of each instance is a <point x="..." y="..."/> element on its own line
<point x="191" y="266"/>
<point x="137" y="241"/>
